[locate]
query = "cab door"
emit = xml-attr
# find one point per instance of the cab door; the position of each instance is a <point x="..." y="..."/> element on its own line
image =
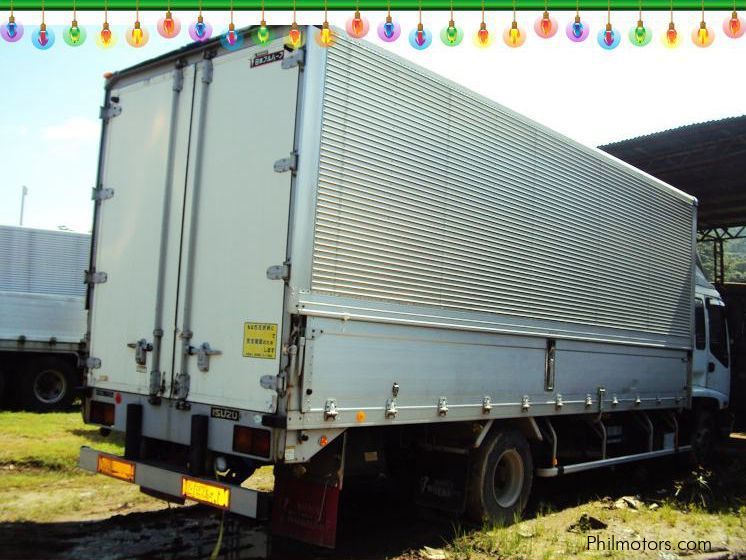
<point x="718" y="366"/>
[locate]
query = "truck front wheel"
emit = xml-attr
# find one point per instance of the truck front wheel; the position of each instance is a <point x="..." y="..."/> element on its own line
<point x="48" y="384"/>
<point x="500" y="478"/>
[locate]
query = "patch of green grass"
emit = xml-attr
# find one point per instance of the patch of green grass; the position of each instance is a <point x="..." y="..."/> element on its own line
<point x="41" y="496"/>
<point x="49" y="441"/>
<point x="39" y="478"/>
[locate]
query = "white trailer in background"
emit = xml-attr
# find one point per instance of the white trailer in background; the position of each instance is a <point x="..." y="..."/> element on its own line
<point x="42" y="316"/>
<point x="336" y="262"/>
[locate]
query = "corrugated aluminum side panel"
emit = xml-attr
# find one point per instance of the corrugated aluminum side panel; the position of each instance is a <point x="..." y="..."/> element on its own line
<point x="43" y="262"/>
<point x="430" y="195"/>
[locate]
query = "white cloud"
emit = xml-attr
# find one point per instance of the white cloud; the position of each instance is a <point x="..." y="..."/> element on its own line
<point x="74" y="128"/>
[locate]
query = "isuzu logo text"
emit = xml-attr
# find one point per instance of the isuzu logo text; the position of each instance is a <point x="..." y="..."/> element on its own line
<point x="225" y="413"/>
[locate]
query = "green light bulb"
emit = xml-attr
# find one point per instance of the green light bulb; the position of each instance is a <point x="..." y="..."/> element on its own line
<point x="262" y="34"/>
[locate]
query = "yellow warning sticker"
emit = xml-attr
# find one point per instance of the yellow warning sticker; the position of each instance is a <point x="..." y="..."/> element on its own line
<point x="260" y="340"/>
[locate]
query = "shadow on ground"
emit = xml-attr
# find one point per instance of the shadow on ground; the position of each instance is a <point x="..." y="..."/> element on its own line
<point x="374" y="524"/>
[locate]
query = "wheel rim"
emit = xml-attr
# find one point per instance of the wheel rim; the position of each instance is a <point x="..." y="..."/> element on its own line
<point x="49" y="386"/>
<point x="508" y="478"/>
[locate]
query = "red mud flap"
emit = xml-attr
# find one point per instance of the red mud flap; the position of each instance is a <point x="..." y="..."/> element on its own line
<point x="305" y="511"/>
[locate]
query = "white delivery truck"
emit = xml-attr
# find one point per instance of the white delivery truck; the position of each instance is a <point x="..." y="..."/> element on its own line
<point x="42" y="316"/>
<point x="335" y="262"/>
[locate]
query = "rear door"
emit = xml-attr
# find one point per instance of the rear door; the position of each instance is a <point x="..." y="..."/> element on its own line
<point x="139" y="225"/>
<point x="230" y="313"/>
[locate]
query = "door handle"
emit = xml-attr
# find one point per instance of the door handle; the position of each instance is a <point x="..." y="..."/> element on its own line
<point x="710" y="367"/>
<point x="203" y="353"/>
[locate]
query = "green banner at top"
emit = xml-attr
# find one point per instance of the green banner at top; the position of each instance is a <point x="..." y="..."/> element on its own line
<point x="396" y="5"/>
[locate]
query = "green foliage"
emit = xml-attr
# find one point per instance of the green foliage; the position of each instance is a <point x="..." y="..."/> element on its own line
<point x="734" y="259"/>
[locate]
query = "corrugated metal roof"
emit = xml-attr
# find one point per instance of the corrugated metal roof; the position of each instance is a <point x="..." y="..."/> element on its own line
<point x="702" y="159"/>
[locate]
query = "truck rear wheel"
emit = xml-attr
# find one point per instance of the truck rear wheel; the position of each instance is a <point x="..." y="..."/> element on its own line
<point x="48" y="384"/>
<point x="500" y="478"/>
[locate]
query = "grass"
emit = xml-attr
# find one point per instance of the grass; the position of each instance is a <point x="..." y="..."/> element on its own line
<point x="714" y="511"/>
<point x="49" y="441"/>
<point x="40" y="482"/>
<point x="39" y="478"/>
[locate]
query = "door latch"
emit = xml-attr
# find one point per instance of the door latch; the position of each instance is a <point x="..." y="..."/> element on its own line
<point x="203" y="352"/>
<point x="142" y="347"/>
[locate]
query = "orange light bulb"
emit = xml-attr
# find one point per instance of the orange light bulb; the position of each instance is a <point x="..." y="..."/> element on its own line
<point x="294" y="35"/>
<point x="483" y="36"/>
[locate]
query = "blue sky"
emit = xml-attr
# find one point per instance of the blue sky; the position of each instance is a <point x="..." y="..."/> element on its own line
<point x="49" y="101"/>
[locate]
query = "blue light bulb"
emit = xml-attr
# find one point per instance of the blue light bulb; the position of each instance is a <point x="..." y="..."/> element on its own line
<point x="388" y="29"/>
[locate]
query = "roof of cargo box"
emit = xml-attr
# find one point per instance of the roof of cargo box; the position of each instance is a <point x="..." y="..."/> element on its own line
<point x="177" y="54"/>
<point x="703" y="159"/>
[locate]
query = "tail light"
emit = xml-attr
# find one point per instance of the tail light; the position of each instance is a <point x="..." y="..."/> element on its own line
<point x="251" y="441"/>
<point x="101" y="413"/>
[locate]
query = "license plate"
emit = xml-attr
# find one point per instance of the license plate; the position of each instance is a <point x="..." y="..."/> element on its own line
<point x="206" y="493"/>
<point x="117" y="468"/>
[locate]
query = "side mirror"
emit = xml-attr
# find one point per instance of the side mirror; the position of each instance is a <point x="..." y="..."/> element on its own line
<point x="710" y="367"/>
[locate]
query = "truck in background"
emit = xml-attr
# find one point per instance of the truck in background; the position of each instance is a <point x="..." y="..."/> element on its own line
<point x="42" y="316"/>
<point x="340" y="264"/>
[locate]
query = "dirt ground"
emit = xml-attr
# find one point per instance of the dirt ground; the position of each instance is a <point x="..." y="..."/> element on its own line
<point x="657" y="500"/>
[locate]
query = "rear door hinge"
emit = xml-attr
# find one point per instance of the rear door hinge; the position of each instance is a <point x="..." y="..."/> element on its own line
<point x="207" y="71"/>
<point x="273" y="383"/>
<point x="93" y="363"/>
<point x="289" y="163"/>
<point x="293" y="59"/>
<point x="102" y="193"/>
<point x="178" y="84"/>
<point x="109" y="112"/>
<point x="95" y="277"/>
<point x="279" y="272"/>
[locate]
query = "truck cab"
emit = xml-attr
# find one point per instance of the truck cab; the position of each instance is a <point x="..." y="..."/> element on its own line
<point x="710" y="361"/>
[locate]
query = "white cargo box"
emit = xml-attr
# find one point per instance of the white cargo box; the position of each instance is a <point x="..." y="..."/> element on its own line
<point x="340" y="237"/>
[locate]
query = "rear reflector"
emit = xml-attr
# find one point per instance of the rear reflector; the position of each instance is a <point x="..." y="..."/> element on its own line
<point x="206" y="492"/>
<point x="101" y="413"/>
<point x="251" y="441"/>
<point x="117" y="468"/>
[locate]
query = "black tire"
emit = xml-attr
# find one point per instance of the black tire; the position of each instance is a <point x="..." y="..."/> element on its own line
<point x="500" y="478"/>
<point x="703" y="436"/>
<point x="2" y="389"/>
<point x="48" y="384"/>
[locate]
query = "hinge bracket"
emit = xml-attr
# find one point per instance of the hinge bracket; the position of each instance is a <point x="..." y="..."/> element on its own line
<point x="295" y="58"/>
<point x="486" y="404"/>
<point x="330" y="410"/>
<point x="109" y="112"/>
<point x="391" y="410"/>
<point x="93" y="363"/>
<point x="102" y="193"/>
<point x="278" y="272"/>
<point x="178" y="79"/>
<point x="93" y="277"/>
<point x="442" y="406"/>
<point x="207" y="71"/>
<point x="289" y="163"/>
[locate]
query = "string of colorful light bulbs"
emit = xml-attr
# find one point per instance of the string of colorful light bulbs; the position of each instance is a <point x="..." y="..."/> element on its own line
<point x="358" y="27"/>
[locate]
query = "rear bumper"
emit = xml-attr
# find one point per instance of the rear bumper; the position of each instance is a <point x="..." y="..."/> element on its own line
<point x="241" y="501"/>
